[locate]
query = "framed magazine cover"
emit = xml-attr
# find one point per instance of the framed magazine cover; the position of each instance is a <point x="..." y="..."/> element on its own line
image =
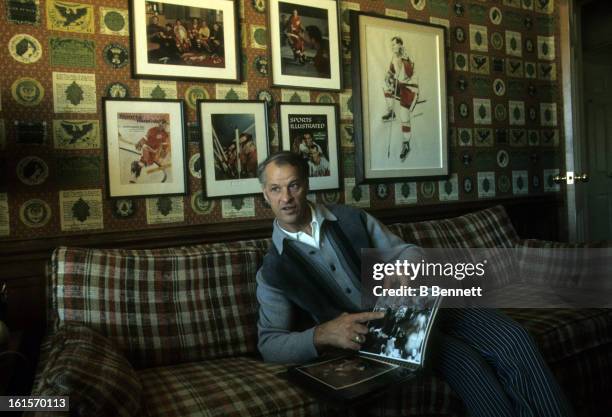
<point x="145" y="148"/>
<point x="305" y="44"/>
<point x="399" y="98"/>
<point x="185" y="39"/>
<point x="311" y="130"/>
<point x="234" y="142"/>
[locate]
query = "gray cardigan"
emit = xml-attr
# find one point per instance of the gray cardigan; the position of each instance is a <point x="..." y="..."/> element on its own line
<point x="279" y="338"/>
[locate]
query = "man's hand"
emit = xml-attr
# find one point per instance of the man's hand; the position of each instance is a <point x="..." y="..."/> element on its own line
<point x="346" y="331"/>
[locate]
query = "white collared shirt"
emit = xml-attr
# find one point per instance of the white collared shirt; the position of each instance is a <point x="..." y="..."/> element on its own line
<point x="315" y="225"/>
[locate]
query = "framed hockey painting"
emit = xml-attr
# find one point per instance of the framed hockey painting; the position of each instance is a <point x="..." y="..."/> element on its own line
<point x="399" y="98"/>
<point x="185" y="39"/>
<point x="145" y="147"/>
<point x="305" y="44"/>
<point x="311" y="130"/>
<point x="234" y="142"/>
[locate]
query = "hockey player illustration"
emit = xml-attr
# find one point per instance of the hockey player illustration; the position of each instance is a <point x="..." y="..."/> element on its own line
<point x="401" y="92"/>
<point x="154" y="150"/>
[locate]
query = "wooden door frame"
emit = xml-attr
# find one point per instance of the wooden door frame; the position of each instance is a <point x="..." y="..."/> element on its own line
<point x="573" y="115"/>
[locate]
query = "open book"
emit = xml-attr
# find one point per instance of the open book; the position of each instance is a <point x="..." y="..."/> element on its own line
<point x="394" y="350"/>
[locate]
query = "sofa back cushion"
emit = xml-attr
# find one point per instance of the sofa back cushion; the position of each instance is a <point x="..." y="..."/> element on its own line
<point x="489" y="228"/>
<point x="163" y="306"/>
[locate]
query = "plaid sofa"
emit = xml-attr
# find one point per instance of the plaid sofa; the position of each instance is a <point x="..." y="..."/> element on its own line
<point x="184" y="321"/>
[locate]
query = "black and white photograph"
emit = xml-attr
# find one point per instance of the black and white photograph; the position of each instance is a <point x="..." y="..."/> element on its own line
<point x="311" y="130"/>
<point x="400" y="101"/>
<point x="343" y="372"/>
<point x="305" y="44"/>
<point x="182" y="39"/>
<point x="402" y="333"/>
<point x="234" y="142"/>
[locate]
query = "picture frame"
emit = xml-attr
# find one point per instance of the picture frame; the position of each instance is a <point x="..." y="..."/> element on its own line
<point x="312" y="130"/>
<point x="399" y="98"/>
<point x="185" y="39"/>
<point x="234" y="141"/>
<point x="304" y="39"/>
<point x="145" y="147"/>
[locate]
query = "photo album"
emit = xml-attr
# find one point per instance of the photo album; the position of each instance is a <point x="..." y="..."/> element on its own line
<point x="394" y="350"/>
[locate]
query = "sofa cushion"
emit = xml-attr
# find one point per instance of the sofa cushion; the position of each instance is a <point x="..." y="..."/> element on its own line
<point x="562" y="333"/>
<point x="88" y="368"/>
<point x="566" y="265"/>
<point x="490" y="228"/>
<point x="162" y="306"/>
<point x="227" y="387"/>
<point x="243" y="386"/>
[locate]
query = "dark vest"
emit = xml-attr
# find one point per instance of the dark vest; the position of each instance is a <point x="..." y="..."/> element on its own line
<point x="292" y="273"/>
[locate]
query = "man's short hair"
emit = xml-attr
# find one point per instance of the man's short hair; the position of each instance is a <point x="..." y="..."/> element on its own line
<point x="280" y="159"/>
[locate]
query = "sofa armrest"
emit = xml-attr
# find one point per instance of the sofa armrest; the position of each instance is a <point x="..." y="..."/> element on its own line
<point x="560" y="264"/>
<point x="549" y="244"/>
<point x="85" y="366"/>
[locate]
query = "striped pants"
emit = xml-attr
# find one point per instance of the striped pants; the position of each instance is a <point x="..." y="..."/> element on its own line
<point x="494" y="365"/>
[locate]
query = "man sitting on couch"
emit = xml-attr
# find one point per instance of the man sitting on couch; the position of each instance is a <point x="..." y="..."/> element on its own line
<point x="312" y="266"/>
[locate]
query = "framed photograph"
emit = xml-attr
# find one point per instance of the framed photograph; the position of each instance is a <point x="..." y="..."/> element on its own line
<point x="311" y="130"/>
<point x="234" y="142"/>
<point x="185" y="39"/>
<point x="145" y="147"/>
<point x="399" y="98"/>
<point x="304" y="44"/>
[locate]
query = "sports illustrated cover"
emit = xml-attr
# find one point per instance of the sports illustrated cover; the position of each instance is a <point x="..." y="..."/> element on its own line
<point x="304" y="40"/>
<point x="235" y="146"/>
<point x="145" y="153"/>
<point x="181" y="35"/>
<point x="402" y="99"/>
<point x="308" y="134"/>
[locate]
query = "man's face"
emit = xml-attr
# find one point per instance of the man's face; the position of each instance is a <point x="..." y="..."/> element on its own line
<point x="286" y="193"/>
<point x="308" y="139"/>
<point x="315" y="156"/>
<point x="395" y="46"/>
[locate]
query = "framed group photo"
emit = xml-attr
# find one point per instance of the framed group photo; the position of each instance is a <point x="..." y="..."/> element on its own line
<point x="234" y="142"/>
<point x="185" y="39"/>
<point x="145" y="147"/>
<point x="399" y="98"/>
<point x="304" y="44"/>
<point x="311" y="130"/>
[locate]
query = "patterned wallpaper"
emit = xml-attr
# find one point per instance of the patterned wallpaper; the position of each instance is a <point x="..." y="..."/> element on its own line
<point x="505" y="115"/>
